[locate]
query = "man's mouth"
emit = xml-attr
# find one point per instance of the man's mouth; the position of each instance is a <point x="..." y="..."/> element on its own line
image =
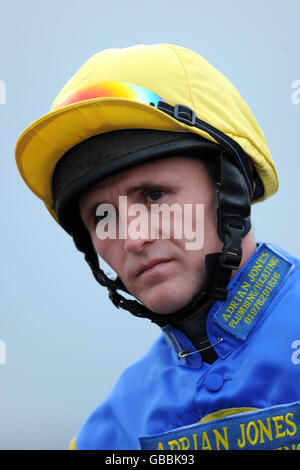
<point x="152" y="265"/>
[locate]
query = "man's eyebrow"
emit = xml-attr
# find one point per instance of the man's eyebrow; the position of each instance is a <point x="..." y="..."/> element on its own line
<point x="141" y="186"/>
<point x="153" y="183"/>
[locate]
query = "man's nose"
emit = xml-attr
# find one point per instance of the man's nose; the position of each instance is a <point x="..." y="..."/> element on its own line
<point x="137" y="231"/>
<point x="135" y="245"/>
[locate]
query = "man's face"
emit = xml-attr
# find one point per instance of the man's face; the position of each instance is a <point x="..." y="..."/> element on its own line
<point x="177" y="272"/>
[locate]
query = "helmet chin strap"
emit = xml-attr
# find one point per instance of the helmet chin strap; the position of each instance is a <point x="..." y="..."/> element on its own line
<point x="233" y="213"/>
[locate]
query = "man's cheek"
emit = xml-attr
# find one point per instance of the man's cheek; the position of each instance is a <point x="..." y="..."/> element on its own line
<point x="106" y="252"/>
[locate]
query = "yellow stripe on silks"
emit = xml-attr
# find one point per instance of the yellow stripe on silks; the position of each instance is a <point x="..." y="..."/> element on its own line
<point x="224" y="413"/>
<point x="72" y="445"/>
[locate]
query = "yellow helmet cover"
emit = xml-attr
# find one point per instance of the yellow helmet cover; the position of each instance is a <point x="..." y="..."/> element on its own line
<point x="105" y="95"/>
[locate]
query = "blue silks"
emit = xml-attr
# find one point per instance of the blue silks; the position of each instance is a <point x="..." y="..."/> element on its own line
<point x="247" y="399"/>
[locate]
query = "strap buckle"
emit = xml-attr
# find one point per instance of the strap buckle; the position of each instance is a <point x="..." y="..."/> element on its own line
<point x="230" y="259"/>
<point x="232" y="228"/>
<point x="219" y="293"/>
<point x="184" y="114"/>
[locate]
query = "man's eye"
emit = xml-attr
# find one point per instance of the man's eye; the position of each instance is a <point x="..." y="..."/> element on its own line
<point x="100" y="217"/>
<point x="154" y="195"/>
<point x="106" y="215"/>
